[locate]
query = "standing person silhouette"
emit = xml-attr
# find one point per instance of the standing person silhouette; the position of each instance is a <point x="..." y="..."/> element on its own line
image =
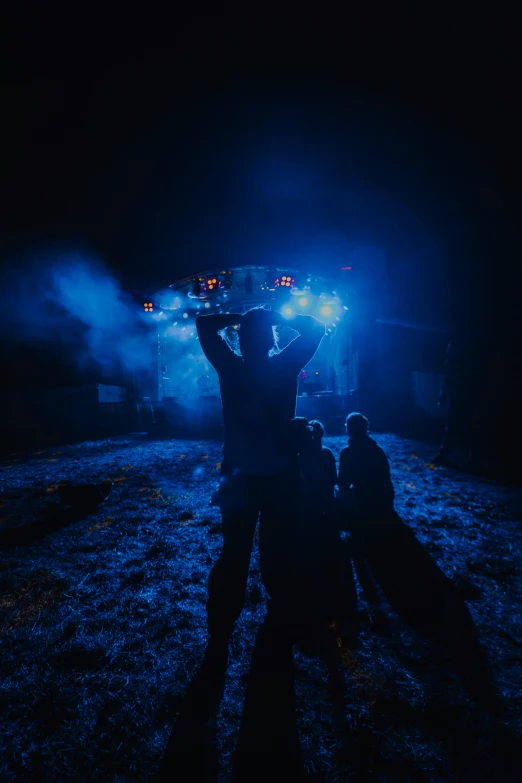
<point x="260" y="469"/>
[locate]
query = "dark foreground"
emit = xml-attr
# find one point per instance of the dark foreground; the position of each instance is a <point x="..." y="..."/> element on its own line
<point x="102" y="630"/>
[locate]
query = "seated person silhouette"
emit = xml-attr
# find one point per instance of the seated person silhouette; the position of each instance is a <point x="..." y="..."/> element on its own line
<point x="365" y="485"/>
<point x="366" y="498"/>
<point x="322" y="594"/>
<point x="318" y="470"/>
<point x="260" y="471"/>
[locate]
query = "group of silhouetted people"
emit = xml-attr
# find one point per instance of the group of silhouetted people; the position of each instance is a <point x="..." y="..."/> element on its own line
<point x="275" y="468"/>
<point x="358" y="499"/>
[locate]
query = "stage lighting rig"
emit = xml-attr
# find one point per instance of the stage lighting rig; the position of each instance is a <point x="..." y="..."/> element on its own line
<point x="283" y="281"/>
<point x="213" y="284"/>
<point x="226" y="278"/>
<point x="148" y="307"/>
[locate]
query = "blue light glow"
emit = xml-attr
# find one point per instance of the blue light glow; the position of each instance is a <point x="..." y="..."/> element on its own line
<point x="326" y="310"/>
<point x="287" y="311"/>
<point x="303" y="301"/>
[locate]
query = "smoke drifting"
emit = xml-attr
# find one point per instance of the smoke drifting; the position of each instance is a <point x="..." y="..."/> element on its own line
<point x="72" y="304"/>
<point x="187" y="370"/>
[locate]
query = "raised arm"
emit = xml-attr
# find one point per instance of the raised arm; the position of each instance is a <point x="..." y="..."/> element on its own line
<point x="302" y="349"/>
<point x="213" y="345"/>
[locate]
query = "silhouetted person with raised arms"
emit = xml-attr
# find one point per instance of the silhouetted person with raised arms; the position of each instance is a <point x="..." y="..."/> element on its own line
<point x="260" y="470"/>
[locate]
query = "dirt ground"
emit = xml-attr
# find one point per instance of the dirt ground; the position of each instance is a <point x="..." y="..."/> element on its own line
<point x="102" y="626"/>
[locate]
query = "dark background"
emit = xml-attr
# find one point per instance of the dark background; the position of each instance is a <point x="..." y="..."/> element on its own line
<point x="165" y="145"/>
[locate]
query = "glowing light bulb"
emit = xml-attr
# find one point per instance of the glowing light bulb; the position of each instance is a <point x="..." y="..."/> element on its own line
<point x="207" y="304"/>
<point x="302" y="301"/>
<point x="185" y="315"/>
<point x="288" y="311"/>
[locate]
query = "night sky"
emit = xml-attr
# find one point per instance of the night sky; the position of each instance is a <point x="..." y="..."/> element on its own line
<point x="164" y="147"/>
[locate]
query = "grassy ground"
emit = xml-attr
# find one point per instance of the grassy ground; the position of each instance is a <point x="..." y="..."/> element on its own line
<point x="102" y="625"/>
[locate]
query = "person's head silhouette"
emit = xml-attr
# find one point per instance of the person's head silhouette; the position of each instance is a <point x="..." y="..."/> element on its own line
<point x="256" y="334"/>
<point x="301" y="433"/>
<point x="317" y="433"/>
<point x="356" y="425"/>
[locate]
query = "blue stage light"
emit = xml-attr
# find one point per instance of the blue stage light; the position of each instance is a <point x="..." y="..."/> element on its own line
<point x="302" y="301"/>
<point x="287" y="311"/>
<point x="326" y="310"/>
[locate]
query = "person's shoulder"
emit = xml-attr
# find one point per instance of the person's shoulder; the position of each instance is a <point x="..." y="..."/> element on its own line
<point x="327" y="453"/>
<point x="371" y="442"/>
<point x="378" y="449"/>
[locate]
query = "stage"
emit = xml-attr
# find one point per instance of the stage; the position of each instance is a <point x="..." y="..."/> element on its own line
<point x="204" y="414"/>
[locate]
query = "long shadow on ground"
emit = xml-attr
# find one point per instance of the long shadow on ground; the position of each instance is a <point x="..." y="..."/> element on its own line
<point x="422" y="595"/>
<point x="191" y="753"/>
<point x="268" y="739"/>
<point x="419" y="592"/>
